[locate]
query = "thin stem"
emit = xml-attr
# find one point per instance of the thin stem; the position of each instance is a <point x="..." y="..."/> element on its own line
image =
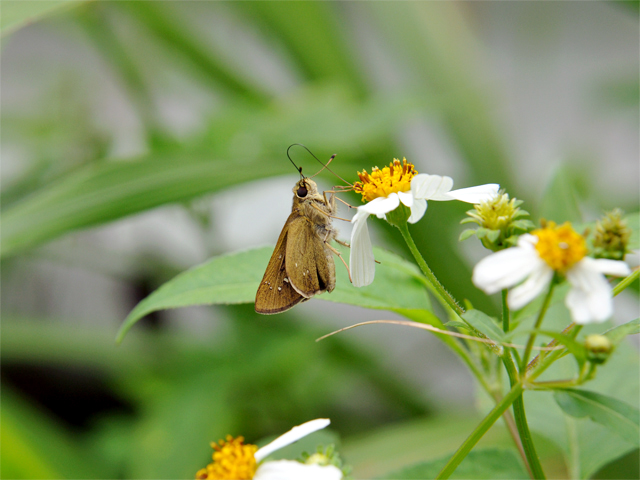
<point x="505" y="312"/>
<point x="539" y="367"/>
<point x="533" y="462"/>
<point x="440" y="290"/>
<point x="480" y="430"/>
<point x="532" y="336"/>
<point x="626" y="281"/>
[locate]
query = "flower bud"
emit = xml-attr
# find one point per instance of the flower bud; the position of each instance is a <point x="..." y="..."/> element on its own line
<point x="611" y="236"/>
<point x="598" y="348"/>
<point x="499" y="220"/>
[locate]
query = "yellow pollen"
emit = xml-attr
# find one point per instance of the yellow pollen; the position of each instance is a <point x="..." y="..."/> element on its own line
<point x="232" y="460"/>
<point x="561" y="247"/>
<point x="380" y="183"/>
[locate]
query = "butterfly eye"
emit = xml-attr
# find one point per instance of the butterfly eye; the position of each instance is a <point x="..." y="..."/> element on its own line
<point x="302" y="192"/>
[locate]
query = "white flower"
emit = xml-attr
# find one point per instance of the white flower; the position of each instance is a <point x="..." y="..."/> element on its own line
<point x="289" y="469"/>
<point x="423" y="187"/>
<point x="535" y="260"/>
<point x="292" y="470"/>
<point x="236" y="459"/>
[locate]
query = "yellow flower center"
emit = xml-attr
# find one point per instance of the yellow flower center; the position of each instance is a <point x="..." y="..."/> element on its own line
<point x="232" y="460"/>
<point x="561" y="247"/>
<point x="381" y="183"/>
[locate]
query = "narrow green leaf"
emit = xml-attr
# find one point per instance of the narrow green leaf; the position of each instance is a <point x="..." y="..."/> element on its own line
<point x="17" y="14"/>
<point x="106" y="191"/>
<point x="491" y="463"/>
<point x="234" y="279"/>
<point x="617" y="416"/>
<point x="560" y="202"/>
<point x="484" y="324"/>
<point x="617" y="334"/>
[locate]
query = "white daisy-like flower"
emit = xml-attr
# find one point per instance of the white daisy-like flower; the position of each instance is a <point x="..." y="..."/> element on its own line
<point x="233" y="459"/>
<point x="385" y="190"/>
<point x="541" y="254"/>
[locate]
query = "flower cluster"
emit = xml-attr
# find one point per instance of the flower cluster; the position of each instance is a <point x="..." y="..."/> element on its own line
<point x="529" y="262"/>
<point x="399" y="194"/>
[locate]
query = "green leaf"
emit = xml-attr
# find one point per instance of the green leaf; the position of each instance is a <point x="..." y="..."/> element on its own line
<point x="17" y="14"/>
<point x="560" y="201"/>
<point x="111" y="190"/>
<point x="491" y="463"/>
<point x="234" y="279"/>
<point x="484" y="324"/>
<point x="619" y="417"/>
<point x="617" y="334"/>
<point x="633" y="222"/>
<point x="34" y="446"/>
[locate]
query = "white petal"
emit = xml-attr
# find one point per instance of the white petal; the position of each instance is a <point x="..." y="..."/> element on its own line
<point x="531" y="288"/>
<point x="361" y="260"/>
<point x="291" y="470"/>
<point x="430" y="186"/>
<point x="406" y="198"/>
<point x="609" y="267"/>
<point x="590" y="298"/>
<point x="293" y="435"/>
<point x="478" y="194"/>
<point x="505" y="269"/>
<point x="417" y="210"/>
<point x="381" y="205"/>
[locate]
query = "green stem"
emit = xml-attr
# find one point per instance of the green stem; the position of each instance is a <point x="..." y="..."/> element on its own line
<point x="480" y="430"/>
<point x="532" y="336"/>
<point x="440" y="290"/>
<point x="505" y="312"/>
<point x="537" y="368"/>
<point x="626" y="281"/>
<point x="533" y="462"/>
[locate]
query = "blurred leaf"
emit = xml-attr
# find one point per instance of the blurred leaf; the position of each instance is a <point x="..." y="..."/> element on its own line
<point x="312" y="33"/>
<point x="214" y="69"/>
<point x="437" y="44"/>
<point x="234" y="278"/>
<point x="617" y="416"/>
<point x="633" y="222"/>
<point x="109" y="190"/>
<point x="617" y="334"/>
<point x="106" y="191"/>
<point x="19" y="13"/>
<point x="479" y="464"/>
<point x="33" y="446"/>
<point x="484" y="324"/>
<point x="559" y="201"/>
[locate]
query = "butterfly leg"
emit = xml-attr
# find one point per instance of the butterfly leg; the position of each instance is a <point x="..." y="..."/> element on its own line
<point x="341" y="259"/>
<point x="345" y="244"/>
<point x="328" y="214"/>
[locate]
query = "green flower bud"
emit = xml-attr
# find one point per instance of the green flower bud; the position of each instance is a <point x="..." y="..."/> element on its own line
<point x="611" y="236"/>
<point x="598" y="348"/>
<point x="500" y="222"/>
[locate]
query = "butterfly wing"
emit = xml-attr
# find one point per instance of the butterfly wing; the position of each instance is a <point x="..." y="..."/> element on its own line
<point x="275" y="293"/>
<point x="308" y="262"/>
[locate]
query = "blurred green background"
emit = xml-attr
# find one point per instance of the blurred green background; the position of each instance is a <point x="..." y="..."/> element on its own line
<point x="141" y="138"/>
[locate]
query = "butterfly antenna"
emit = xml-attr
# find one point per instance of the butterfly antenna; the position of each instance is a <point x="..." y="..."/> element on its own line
<point x="299" y="169"/>
<point x="324" y="165"/>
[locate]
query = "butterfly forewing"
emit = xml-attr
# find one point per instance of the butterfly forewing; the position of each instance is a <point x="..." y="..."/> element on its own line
<point x="275" y="293"/>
